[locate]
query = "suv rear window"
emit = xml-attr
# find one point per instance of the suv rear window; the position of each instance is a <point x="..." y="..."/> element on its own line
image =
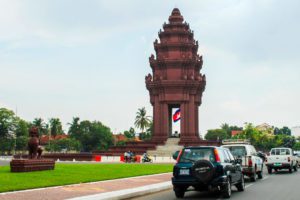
<point x="194" y="154"/>
<point x="237" y="151"/>
<point x="280" y="152"/>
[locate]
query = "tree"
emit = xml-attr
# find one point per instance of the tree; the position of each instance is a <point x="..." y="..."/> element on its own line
<point x="22" y="130"/>
<point x="92" y="135"/>
<point x="55" y="127"/>
<point x="297" y="146"/>
<point x="286" y="131"/>
<point x="216" y="134"/>
<point x="8" y="125"/>
<point x="74" y="129"/>
<point x="41" y="125"/>
<point x="130" y="134"/>
<point x="142" y="121"/>
<point x="283" y="131"/>
<point x="229" y="129"/>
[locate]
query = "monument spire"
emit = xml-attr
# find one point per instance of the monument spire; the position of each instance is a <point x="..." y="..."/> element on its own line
<point x="176" y="81"/>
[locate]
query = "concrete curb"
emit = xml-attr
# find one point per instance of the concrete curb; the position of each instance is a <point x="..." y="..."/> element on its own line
<point x="128" y="193"/>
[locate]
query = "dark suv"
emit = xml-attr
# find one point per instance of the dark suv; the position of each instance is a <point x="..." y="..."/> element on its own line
<point x="206" y="169"/>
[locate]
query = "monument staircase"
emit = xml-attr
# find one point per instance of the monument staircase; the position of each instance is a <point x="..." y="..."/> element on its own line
<point x="167" y="149"/>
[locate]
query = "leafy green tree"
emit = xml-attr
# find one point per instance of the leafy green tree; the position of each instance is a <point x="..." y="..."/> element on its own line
<point x="216" y="134"/>
<point x="8" y="125"/>
<point x="22" y="131"/>
<point x="21" y="143"/>
<point x="22" y="128"/>
<point x="286" y="131"/>
<point x="55" y="127"/>
<point x="142" y="121"/>
<point x="92" y="135"/>
<point x="297" y="146"/>
<point x="130" y="134"/>
<point x="8" y="122"/>
<point x="121" y="143"/>
<point x="277" y="131"/>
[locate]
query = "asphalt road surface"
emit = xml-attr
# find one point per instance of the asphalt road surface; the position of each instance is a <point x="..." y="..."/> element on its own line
<point x="4" y="162"/>
<point x="277" y="186"/>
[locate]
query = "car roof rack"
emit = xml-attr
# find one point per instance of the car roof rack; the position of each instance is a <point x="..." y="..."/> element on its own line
<point x="236" y="141"/>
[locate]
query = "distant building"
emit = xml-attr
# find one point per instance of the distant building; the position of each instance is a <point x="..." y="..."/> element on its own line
<point x="296" y="131"/>
<point x="264" y="127"/>
<point x="122" y="138"/>
<point x="235" y="132"/>
<point x="44" y="139"/>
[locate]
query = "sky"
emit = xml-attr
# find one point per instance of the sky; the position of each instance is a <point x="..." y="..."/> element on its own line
<point x="65" y="58"/>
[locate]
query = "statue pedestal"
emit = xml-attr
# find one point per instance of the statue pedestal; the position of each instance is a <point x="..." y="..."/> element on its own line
<point x="28" y="165"/>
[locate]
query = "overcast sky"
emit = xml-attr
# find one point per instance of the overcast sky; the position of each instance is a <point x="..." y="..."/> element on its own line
<point x="62" y="58"/>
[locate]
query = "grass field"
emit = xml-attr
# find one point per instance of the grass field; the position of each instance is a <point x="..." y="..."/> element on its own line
<point x="65" y="174"/>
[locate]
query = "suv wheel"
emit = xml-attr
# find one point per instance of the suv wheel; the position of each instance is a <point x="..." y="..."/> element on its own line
<point x="227" y="189"/>
<point x="253" y="177"/>
<point x="295" y="168"/>
<point x="260" y="173"/>
<point x="241" y="185"/>
<point x="179" y="191"/>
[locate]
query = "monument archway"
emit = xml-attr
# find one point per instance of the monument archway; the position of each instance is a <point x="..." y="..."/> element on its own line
<point x="176" y="80"/>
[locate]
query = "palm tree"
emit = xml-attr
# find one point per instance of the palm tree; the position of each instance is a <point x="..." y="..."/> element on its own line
<point x="142" y="121"/>
<point x="55" y="127"/>
<point x="74" y="128"/>
<point x="41" y="125"/>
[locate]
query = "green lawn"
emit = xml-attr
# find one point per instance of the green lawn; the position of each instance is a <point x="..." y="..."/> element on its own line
<point x="65" y="174"/>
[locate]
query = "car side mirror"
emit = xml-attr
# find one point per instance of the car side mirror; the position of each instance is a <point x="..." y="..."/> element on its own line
<point x="175" y="155"/>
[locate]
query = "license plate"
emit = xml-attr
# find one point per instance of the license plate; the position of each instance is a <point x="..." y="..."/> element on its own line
<point x="184" y="172"/>
<point x="277" y="164"/>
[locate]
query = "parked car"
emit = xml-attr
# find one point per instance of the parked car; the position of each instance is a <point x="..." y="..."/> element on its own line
<point x="206" y="169"/>
<point x="281" y="158"/>
<point x="252" y="161"/>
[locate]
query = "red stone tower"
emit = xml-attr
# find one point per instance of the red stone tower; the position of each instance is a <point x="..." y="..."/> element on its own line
<point x="176" y="81"/>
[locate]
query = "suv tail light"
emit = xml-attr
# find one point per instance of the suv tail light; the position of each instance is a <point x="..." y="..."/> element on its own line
<point x="289" y="159"/>
<point x="217" y="156"/>
<point x="250" y="161"/>
<point x="266" y="160"/>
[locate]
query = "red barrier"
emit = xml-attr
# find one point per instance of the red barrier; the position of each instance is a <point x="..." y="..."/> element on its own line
<point x="122" y="159"/>
<point x="138" y="159"/>
<point x="98" y="158"/>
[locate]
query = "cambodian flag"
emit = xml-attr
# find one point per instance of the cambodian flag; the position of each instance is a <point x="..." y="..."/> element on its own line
<point x="176" y="116"/>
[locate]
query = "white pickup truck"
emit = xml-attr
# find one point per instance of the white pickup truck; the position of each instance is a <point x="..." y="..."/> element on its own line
<point x="252" y="164"/>
<point x="281" y="158"/>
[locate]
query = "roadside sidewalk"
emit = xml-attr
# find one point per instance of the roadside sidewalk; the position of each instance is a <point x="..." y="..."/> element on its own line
<point x="111" y="189"/>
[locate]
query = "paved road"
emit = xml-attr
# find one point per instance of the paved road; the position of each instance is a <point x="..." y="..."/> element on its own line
<point x="4" y="162"/>
<point x="279" y="186"/>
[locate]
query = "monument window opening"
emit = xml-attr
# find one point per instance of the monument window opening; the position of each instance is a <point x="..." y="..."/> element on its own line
<point x="174" y="119"/>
